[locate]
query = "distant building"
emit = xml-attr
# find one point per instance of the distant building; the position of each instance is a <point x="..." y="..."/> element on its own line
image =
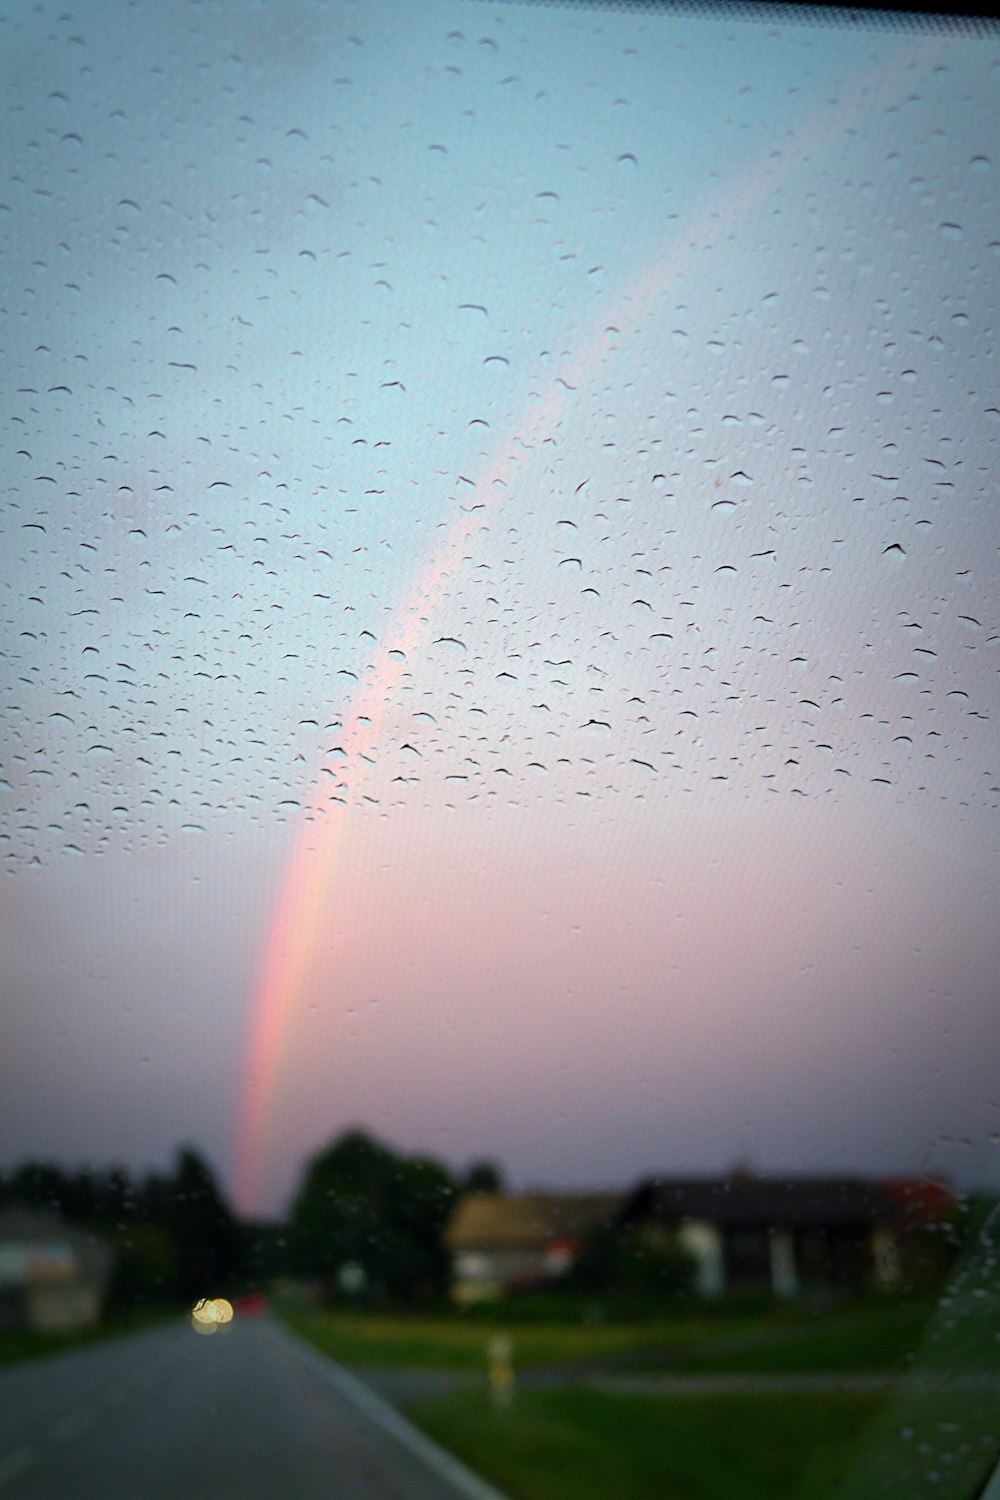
<point x="502" y="1242"/>
<point x="787" y="1234"/>
<point x="53" y="1277"/>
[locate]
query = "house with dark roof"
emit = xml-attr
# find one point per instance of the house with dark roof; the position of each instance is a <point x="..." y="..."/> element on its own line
<point x="786" y="1234"/>
<point x="504" y="1241"/>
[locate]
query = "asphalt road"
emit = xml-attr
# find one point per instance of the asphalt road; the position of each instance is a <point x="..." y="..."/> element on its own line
<point x="248" y="1412"/>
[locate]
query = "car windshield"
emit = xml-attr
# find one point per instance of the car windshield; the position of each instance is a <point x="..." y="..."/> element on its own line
<point x="499" y="773"/>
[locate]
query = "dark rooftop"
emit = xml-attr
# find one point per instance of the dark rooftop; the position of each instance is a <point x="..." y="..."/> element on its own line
<point x="746" y="1201"/>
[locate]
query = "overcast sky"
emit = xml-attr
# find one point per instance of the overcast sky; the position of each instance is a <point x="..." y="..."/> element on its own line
<point x="499" y="590"/>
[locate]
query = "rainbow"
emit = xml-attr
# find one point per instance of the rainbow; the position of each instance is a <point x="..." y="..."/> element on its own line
<point x="301" y="911"/>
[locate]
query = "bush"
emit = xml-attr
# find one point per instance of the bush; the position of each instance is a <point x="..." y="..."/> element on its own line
<point x="642" y="1259"/>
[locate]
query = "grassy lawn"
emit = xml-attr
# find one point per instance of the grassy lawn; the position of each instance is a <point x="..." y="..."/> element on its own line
<point x="936" y="1433"/>
<point x="939" y="1433"/>
<point x="18" y="1344"/>
<point x="450" y="1343"/>
<point x="942" y="1443"/>
<point x="875" y="1336"/>
<point x="455" y="1343"/>
<point x="573" y="1444"/>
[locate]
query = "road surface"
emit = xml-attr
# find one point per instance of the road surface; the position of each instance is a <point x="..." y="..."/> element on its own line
<point x="245" y="1414"/>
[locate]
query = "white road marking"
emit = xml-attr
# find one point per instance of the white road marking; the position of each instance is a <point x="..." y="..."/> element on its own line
<point x="15" y="1463"/>
<point x="463" y="1481"/>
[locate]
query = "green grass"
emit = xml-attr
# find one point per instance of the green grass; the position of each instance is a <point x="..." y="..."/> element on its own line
<point x="939" y="1434"/>
<point x="574" y="1444"/>
<point x="935" y="1433"/>
<point x="17" y="1344"/>
<point x="448" y="1343"/>
<point x="941" y="1443"/>
<point x="872" y="1337"/>
<point x="875" y="1335"/>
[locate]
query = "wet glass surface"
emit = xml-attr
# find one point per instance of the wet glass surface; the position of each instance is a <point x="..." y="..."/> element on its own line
<point x="499" y="577"/>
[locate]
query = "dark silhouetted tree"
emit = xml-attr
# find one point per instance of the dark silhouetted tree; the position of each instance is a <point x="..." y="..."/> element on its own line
<point x="482" y="1177"/>
<point x="173" y="1235"/>
<point x="203" y="1234"/>
<point x="360" y="1202"/>
<point x="638" y="1259"/>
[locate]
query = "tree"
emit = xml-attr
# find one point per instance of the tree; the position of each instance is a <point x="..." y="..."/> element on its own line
<point x="644" y="1259"/>
<point x="265" y="1251"/>
<point x="87" y="1196"/>
<point x="41" y="1185"/>
<point x="482" y="1177"/>
<point x="598" y="1267"/>
<point x="174" y="1236"/>
<point x="203" y="1234"/>
<point x="144" y="1268"/>
<point x="362" y="1203"/>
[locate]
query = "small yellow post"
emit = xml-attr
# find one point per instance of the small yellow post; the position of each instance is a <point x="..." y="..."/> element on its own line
<point x="501" y="1370"/>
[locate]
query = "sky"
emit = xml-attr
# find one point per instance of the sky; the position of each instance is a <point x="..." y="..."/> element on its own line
<point x="499" y="580"/>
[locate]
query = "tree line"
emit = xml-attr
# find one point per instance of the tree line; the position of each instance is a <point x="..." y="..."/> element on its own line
<point x="173" y="1233"/>
<point x="366" y="1225"/>
<point x="367" y="1221"/>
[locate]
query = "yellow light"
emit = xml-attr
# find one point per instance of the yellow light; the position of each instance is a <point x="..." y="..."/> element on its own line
<point x="210" y="1311"/>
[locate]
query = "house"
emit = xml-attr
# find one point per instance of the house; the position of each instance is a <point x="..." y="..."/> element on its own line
<point x="53" y="1277"/>
<point x="786" y="1234"/>
<point x="502" y="1242"/>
